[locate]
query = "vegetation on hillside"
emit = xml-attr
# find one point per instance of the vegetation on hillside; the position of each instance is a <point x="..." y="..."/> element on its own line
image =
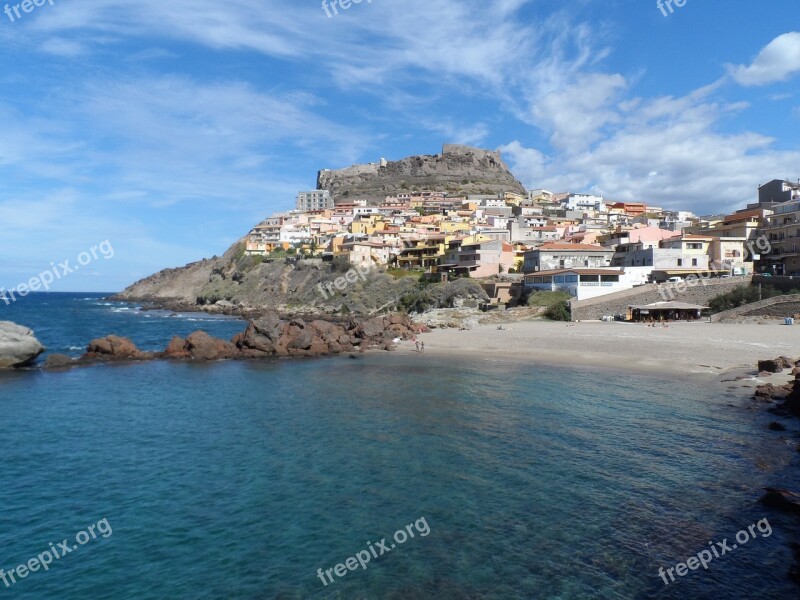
<point x="744" y="294"/>
<point x="547" y="299"/>
<point x="559" y="311"/>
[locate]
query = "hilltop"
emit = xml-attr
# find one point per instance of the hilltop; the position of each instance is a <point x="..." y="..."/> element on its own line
<point x="457" y="170"/>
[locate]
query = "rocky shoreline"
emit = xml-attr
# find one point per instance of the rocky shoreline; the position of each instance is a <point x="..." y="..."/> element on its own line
<point x="785" y="403"/>
<point x="269" y="336"/>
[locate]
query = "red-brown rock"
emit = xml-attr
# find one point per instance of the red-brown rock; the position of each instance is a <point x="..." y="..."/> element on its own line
<point x="114" y="347"/>
<point x="202" y="346"/>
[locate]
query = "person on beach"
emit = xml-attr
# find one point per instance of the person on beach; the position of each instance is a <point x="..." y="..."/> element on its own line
<point x="417" y="346"/>
<point x="422" y="346"/>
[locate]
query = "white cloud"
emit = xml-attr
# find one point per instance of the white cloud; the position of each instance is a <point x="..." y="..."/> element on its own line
<point x="665" y="151"/>
<point x="778" y="61"/>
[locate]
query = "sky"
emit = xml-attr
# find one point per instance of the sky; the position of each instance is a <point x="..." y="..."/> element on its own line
<point x="168" y="128"/>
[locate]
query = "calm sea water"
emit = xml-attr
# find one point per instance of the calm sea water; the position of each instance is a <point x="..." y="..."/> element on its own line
<point x="239" y="480"/>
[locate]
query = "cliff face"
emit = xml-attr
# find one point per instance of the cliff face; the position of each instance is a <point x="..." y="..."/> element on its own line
<point x="457" y="170"/>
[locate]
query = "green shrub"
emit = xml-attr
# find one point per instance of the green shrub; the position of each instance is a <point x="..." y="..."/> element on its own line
<point x="559" y="311"/>
<point x="340" y="264"/>
<point x="543" y="298"/>
<point x="740" y="296"/>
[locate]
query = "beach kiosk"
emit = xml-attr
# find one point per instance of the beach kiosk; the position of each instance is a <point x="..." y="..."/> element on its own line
<point x="665" y="311"/>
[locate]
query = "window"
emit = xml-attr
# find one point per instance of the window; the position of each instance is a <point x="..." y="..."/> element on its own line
<point x="694" y="262"/>
<point x="680" y="262"/>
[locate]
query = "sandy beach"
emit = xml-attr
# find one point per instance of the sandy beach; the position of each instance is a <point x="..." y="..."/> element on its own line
<point x="698" y="349"/>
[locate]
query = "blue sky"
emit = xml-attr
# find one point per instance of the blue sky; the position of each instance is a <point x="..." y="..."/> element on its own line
<point x="170" y="127"/>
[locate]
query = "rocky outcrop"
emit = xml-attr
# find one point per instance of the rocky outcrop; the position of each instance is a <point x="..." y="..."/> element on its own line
<point x="781" y="499"/>
<point x="775" y="365"/>
<point x="269" y="336"/>
<point x="114" y="347"/>
<point x="18" y="346"/>
<point x="457" y="170"/>
<point x="201" y="346"/>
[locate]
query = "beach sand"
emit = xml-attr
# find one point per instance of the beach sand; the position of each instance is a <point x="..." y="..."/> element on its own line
<point x="697" y="349"/>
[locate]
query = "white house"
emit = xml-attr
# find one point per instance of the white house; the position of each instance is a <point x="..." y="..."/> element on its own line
<point x="582" y="202"/>
<point x="565" y="255"/>
<point x="579" y="283"/>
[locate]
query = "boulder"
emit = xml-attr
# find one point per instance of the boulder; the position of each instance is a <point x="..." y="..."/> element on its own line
<point x="770" y="366"/>
<point x="371" y="328"/>
<point x="765" y="392"/>
<point x="794" y="571"/>
<point x="261" y="337"/>
<point x="59" y="361"/>
<point x="113" y="347"/>
<point x="202" y="346"/>
<point x="775" y="426"/>
<point x="776" y="365"/>
<point x="18" y="346"/>
<point x="768" y="392"/>
<point x="176" y="348"/>
<point x="781" y="499"/>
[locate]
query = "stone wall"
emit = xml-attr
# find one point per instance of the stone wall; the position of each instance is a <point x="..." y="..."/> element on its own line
<point x="617" y="304"/>
<point x="779" y="306"/>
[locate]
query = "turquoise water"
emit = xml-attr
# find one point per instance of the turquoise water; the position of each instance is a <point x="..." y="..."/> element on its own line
<point x="242" y="479"/>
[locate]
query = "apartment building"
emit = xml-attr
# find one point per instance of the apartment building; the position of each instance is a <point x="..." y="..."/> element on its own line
<point x="314" y="200"/>
<point x="564" y="255"/>
<point x="783" y="233"/>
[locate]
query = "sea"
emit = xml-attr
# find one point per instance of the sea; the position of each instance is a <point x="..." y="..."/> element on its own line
<point x="392" y="476"/>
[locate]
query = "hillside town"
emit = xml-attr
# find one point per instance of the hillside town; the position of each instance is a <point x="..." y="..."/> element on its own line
<point x="578" y="243"/>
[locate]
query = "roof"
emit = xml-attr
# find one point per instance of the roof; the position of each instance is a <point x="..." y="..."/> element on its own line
<point x="668" y="306"/>
<point x="688" y="271"/>
<point x="577" y="271"/>
<point x="573" y="247"/>
<point x="370" y="244"/>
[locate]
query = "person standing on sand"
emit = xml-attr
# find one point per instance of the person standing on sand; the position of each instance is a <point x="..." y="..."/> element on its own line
<point x="422" y="345"/>
<point x="417" y="346"/>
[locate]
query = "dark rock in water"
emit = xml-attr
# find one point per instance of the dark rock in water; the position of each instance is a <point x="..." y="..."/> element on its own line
<point x="781" y="499"/>
<point x="59" y="361"/>
<point x="768" y="392"/>
<point x="775" y="426"/>
<point x="776" y="365"/>
<point x="794" y="572"/>
<point x="18" y="346"/>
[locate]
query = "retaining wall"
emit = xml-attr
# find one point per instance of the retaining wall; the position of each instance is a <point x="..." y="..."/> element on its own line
<point x="779" y="306"/>
<point x="617" y="303"/>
